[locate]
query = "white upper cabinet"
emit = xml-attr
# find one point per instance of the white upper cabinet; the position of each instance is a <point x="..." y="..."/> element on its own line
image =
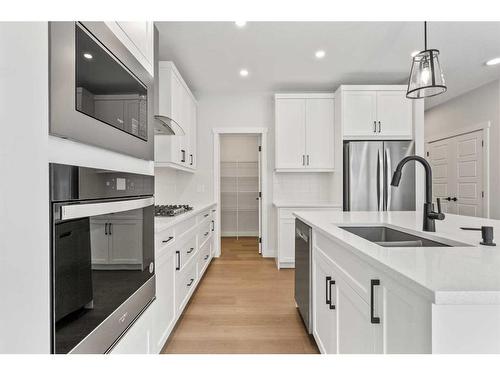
<point x="138" y="37"/>
<point x="381" y="112"/>
<point x="304" y="132"/>
<point x="177" y="103"/>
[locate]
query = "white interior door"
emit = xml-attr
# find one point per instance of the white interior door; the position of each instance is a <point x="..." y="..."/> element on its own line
<point x="458" y="173"/>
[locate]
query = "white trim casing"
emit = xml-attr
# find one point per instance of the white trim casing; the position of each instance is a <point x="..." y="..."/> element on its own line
<point x="265" y="189"/>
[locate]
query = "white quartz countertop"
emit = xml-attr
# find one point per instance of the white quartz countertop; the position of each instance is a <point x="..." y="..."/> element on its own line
<point x="165" y="222"/>
<point x="449" y="275"/>
<point x="285" y="204"/>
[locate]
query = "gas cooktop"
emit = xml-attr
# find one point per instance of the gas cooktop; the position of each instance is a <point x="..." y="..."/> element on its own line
<point x="172" y="210"/>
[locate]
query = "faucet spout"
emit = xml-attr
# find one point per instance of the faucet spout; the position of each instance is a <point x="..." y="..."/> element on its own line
<point x="429" y="214"/>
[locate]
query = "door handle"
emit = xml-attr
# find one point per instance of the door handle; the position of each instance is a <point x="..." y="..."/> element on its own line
<point x="389" y="177"/>
<point x="374" y="319"/>
<point x="178" y="265"/>
<point x="380" y="181"/>
<point x="454" y="199"/>
<point x="330" y="283"/>
<point x="328" y="299"/>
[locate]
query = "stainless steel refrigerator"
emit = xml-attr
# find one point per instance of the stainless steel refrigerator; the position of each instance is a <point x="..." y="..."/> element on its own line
<point x="368" y="169"/>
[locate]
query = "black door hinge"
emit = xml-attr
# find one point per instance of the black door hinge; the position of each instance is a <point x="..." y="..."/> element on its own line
<point x="427" y="153"/>
<point x="482" y="194"/>
<point x="260" y="240"/>
<point x="260" y="194"/>
<point x="260" y="148"/>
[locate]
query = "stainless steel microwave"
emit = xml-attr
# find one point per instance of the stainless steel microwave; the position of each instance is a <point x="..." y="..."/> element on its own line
<point x="99" y="92"/>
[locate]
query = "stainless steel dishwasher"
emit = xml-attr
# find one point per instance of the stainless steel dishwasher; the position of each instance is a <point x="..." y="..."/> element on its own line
<point x="303" y="266"/>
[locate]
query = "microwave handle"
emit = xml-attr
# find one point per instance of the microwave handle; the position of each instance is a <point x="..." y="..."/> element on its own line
<point x="75" y="211"/>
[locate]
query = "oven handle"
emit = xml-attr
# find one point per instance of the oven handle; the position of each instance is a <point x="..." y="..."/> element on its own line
<point x="75" y="211"/>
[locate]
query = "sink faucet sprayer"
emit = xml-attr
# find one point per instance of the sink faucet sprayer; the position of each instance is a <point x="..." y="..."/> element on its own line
<point x="429" y="214"/>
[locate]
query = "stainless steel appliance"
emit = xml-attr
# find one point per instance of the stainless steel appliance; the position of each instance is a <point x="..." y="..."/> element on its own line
<point x="303" y="265"/>
<point x="102" y="255"/>
<point x="368" y="169"/>
<point x="99" y="93"/>
<point x="171" y="210"/>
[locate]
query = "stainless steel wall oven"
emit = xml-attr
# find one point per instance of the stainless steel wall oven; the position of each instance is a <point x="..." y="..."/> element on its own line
<point x="102" y="255"/>
<point x="99" y="93"/>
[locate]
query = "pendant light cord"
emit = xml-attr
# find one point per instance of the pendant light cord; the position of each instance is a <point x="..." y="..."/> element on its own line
<point x="425" y="35"/>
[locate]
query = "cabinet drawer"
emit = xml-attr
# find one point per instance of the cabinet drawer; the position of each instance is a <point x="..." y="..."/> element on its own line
<point x="347" y="265"/>
<point x="204" y="215"/>
<point x="204" y="257"/>
<point x="204" y="232"/>
<point x="163" y="240"/>
<point x="185" y="226"/>
<point x="185" y="282"/>
<point x="188" y="250"/>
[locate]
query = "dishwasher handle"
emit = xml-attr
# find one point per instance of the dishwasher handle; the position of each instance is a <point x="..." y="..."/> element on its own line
<point x="301" y="235"/>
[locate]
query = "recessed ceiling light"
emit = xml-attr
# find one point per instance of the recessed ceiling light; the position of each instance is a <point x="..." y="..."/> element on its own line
<point x="494" y="61"/>
<point x="240" y="23"/>
<point x="415" y="53"/>
<point x="320" y="54"/>
<point x="87" y="55"/>
<point x="243" y="72"/>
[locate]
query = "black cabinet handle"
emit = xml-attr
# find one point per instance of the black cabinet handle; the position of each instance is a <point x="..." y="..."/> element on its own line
<point x="374" y="319"/>
<point x="379" y="127"/>
<point x="190" y="282"/>
<point x="206" y="215"/>
<point x="206" y="233"/>
<point x="178" y="265"/>
<point x="454" y="199"/>
<point x="307" y="159"/>
<point x="183" y="159"/>
<point x="190" y="250"/>
<point x="213" y="225"/>
<point x="303" y="160"/>
<point x="110" y="225"/>
<point x="168" y="240"/>
<point x="106" y="229"/>
<point x="191" y="156"/>
<point x="374" y="126"/>
<point x="330" y="283"/>
<point x="206" y="257"/>
<point x="328" y="300"/>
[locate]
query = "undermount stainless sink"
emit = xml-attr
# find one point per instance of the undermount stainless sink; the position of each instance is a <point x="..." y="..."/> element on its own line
<point x="388" y="237"/>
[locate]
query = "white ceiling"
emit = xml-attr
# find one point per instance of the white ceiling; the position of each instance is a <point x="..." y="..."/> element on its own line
<point x="280" y="55"/>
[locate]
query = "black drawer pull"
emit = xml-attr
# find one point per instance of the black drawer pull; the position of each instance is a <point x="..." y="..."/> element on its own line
<point x="191" y="156"/>
<point x="183" y="159"/>
<point x="206" y="215"/>
<point x="374" y="319"/>
<point x="206" y="233"/>
<point x="190" y="250"/>
<point x="327" y="289"/>
<point x="330" y="283"/>
<point x="190" y="282"/>
<point x="206" y="257"/>
<point x="213" y="225"/>
<point x="178" y="265"/>
<point x="168" y="240"/>
<point x="106" y="229"/>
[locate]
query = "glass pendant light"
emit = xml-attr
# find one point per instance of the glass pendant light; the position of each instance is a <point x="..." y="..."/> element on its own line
<point x="426" y="76"/>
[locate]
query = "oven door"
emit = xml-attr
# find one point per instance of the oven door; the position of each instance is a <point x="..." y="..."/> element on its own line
<point x="103" y="271"/>
<point x="99" y="92"/>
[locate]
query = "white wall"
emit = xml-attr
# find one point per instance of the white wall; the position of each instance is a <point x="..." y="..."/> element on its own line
<point x="474" y="107"/>
<point x="24" y="189"/>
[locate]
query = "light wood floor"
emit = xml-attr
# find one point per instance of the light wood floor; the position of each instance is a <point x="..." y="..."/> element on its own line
<point x="243" y="305"/>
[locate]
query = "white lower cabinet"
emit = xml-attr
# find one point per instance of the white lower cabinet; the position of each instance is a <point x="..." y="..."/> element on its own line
<point x="164" y="314"/>
<point x="372" y="312"/>
<point x="324" y="304"/>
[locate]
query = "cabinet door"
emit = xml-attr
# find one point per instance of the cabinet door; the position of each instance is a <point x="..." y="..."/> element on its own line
<point x="140" y="34"/>
<point x="192" y="133"/>
<point x="164" y="313"/>
<point x="100" y="242"/>
<point x="356" y="333"/>
<point x="290" y="133"/>
<point x="394" y="112"/>
<point x="126" y="242"/>
<point x="359" y="113"/>
<point x="286" y="250"/>
<point x="319" y="133"/>
<point x="324" y="304"/>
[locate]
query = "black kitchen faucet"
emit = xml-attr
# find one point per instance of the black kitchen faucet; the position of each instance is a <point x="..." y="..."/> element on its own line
<point x="429" y="214"/>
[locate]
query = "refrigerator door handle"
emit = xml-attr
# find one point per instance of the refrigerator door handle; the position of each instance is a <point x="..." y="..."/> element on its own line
<point x="380" y="181"/>
<point x="389" y="177"/>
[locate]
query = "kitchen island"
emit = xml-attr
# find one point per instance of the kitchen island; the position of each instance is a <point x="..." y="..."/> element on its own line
<point x="376" y="299"/>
